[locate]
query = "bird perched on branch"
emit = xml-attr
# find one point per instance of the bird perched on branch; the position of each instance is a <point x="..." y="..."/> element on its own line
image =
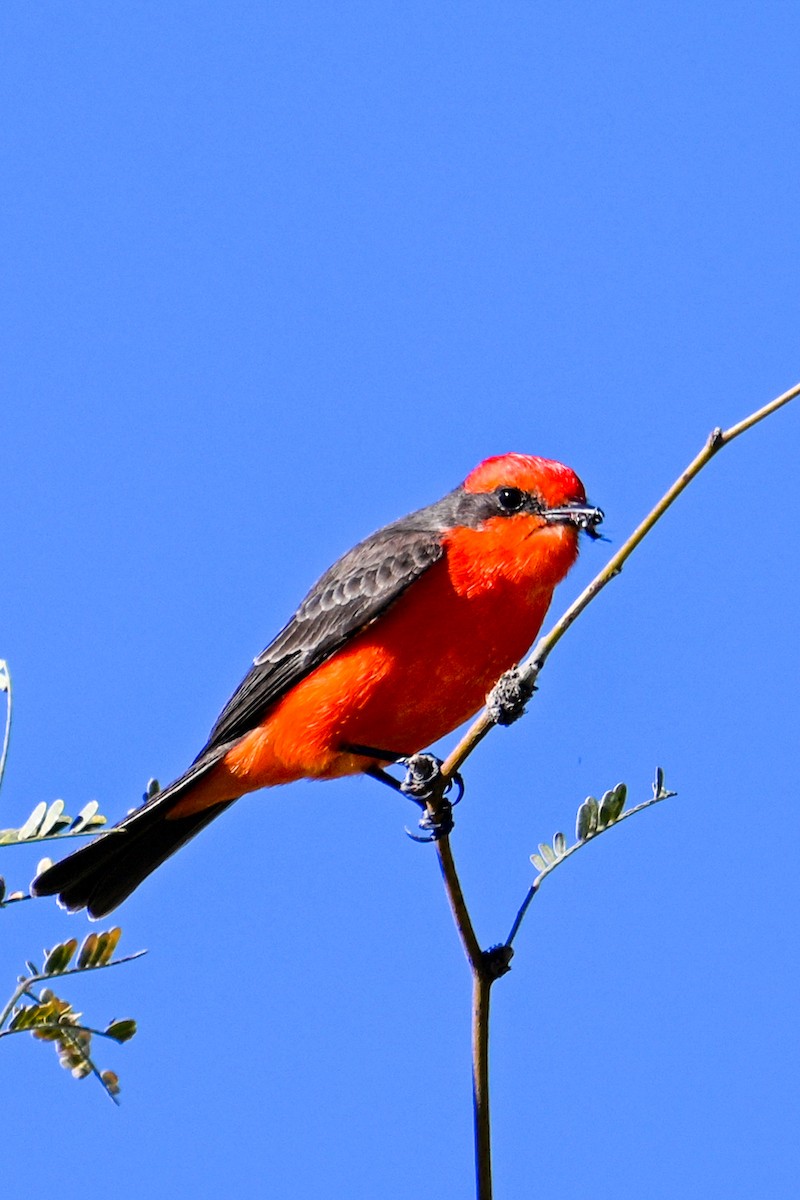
<point x="394" y="647"/>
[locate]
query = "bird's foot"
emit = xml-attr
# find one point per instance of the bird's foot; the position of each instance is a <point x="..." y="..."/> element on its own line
<point x="423" y="785"/>
<point x="507" y="699"/>
<point x="423" y="776"/>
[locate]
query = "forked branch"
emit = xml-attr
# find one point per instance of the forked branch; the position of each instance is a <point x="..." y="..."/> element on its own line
<point x="486" y="966"/>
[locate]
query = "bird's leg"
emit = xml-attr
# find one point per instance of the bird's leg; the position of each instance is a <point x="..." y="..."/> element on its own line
<point x="507" y="699"/>
<point x="374" y="771"/>
<point x="422" y="784"/>
<point x="384" y="777"/>
<point x="387" y="756"/>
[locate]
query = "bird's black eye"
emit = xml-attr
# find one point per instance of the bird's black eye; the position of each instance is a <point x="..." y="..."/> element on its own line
<point x="510" y="499"/>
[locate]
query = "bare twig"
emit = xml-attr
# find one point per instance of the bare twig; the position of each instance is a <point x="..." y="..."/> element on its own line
<point x="534" y="663"/>
<point x="458" y="905"/>
<point x="481" y="996"/>
<point x="482" y="979"/>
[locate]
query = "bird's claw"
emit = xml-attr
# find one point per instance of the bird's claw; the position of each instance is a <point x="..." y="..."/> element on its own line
<point x="507" y="699"/>
<point x="436" y="825"/>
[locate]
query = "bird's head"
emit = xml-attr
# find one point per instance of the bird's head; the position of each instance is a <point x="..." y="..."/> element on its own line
<point x="516" y="520"/>
<point x="539" y="491"/>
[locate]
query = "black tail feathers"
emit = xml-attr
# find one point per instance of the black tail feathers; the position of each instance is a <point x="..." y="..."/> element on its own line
<point x="101" y="875"/>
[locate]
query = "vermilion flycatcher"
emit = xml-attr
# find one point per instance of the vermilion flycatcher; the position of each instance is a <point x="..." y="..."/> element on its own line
<point x="395" y="646"/>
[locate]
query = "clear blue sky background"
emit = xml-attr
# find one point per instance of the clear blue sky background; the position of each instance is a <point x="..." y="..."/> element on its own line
<point x="274" y="275"/>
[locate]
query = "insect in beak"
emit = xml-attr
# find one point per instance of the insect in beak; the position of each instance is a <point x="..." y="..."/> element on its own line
<point x="581" y="515"/>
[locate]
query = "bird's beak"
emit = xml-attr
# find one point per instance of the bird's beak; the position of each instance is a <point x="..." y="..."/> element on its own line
<point x="582" y="515"/>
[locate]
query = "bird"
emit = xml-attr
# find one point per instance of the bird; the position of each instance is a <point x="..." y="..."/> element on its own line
<point x="395" y="646"/>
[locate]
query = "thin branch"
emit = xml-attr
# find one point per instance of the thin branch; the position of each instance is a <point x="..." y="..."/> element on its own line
<point x="766" y="411"/>
<point x="98" y="1074"/>
<point x="534" y="663"/>
<point x="29" y="980"/>
<point x="58" y="1027"/>
<point x="484" y="972"/>
<point x="458" y="904"/>
<point x="481" y="995"/>
<point x="55" y="837"/>
<point x="18" y="994"/>
<point x="523" y="908"/>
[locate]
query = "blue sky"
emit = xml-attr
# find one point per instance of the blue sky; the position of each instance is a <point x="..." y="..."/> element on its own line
<point x="274" y="275"/>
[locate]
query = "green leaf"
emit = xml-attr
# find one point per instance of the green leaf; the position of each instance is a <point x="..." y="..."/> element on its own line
<point x="619" y="795"/>
<point x="547" y="853"/>
<point x="87" y="950"/>
<point x="52" y="960"/>
<point x="69" y="949"/>
<point x="85" y="816"/>
<point x="51" y="818"/>
<point x="31" y="826"/>
<point x="106" y="945"/>
<point x="586" y="822"/>
<point x="559" y="844"/>
<point x="58" y="959"/>
<point x="538" y="862"/>
<point x="20" y="1018"/>
<point x="122" y="1031"/>
<point x="612" y="804"/>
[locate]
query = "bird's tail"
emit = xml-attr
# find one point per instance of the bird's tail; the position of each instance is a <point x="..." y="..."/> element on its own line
<point x="101" y="875"/>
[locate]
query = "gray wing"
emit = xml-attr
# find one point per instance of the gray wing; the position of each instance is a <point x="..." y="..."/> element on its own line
<point x="350" y="596"/>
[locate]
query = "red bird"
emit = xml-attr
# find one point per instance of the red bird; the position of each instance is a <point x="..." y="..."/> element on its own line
<point x="394" y="647"/>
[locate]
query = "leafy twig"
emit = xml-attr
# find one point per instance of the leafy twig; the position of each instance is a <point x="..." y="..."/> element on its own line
<point x="593" y="818"/>
<point x="46" y="823"/>
<point x="49" y="821"/>
<point x="50" y="1018"/>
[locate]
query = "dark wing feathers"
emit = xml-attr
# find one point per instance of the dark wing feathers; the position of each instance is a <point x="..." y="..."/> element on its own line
<point x="350" y="596"/>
